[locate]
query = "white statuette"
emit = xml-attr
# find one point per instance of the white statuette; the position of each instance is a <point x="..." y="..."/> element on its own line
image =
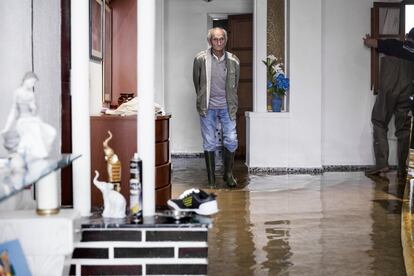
<point x="114" y="202"/>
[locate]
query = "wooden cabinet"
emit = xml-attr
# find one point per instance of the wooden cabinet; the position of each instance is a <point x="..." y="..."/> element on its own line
<point x="124" y="143"/>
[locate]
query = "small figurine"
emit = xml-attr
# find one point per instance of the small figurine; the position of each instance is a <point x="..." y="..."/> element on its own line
<point x="113" y="165"/>
<point x="25" y="133"/>
<point x="17" y="161"/>
<point x="114" y="202"/>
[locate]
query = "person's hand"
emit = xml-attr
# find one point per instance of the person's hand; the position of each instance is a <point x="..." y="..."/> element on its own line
<point x="369" y="41"/>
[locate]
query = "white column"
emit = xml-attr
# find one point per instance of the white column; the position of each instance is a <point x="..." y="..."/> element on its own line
<point x="159" y="96"/>
<point x="259" y="79"/>
<point x="146" y="86"/>
<point x="259" y="54"/>
<point x="80" y="106"/>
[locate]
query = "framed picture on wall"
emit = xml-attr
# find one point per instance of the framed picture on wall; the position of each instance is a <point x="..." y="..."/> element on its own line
<point x="95" y="29"/>
<point x="107" y="59"/>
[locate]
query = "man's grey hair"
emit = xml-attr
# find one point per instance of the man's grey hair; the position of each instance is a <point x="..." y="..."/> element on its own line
<point x="210" y="33"/>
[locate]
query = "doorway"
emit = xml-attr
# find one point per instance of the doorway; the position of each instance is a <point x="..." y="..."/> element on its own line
<point x="239" y="28"/>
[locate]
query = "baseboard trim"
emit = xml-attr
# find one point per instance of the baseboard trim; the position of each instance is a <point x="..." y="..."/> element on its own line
<point x="284" y="170"/>
<point x="187" y="154"/>
<point x="315" y="170"/>
<point x="289" y="170"/>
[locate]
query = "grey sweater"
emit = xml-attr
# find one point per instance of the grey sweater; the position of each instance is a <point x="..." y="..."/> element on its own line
<point x="202" y="81"/>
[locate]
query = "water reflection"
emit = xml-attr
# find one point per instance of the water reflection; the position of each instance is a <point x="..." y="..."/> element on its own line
<point x="331" y="224"/>
<point x="278" y="250"/>
<point x="386" y="227"/>
<point x="231" y="245"/>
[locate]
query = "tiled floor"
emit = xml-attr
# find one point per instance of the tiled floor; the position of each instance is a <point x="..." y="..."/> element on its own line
<point x="336" y="223"/>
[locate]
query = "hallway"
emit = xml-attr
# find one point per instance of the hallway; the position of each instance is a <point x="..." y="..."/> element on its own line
<point x="336" y="223"/>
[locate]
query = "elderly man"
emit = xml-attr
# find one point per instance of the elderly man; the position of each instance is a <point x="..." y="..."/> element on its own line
<point x="396" y="86"/>
<point x="216" y="77"/>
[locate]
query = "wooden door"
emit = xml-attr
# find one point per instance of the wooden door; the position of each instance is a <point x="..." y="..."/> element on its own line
<point x="66" y="133"/>
<point x="240" y="43"/>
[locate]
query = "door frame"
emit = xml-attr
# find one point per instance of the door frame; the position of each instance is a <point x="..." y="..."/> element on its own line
<point x="240" y="152"/>
<point x="66" y="116"/>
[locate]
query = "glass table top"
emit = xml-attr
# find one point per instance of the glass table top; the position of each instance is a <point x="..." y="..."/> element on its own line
<point x="12" y="182"/>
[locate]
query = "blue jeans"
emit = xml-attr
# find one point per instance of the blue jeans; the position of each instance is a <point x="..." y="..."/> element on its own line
<point x="208" y="130"/>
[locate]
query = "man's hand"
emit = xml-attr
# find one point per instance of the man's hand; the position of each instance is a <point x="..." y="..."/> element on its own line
<point x="370" y="42"/>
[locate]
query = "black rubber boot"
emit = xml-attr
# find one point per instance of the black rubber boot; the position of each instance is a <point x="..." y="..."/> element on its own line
<point x="377" y="170"/>
<point x="228" y="157"/>
<point x="211" y="166"/>
<point x="403" y="147"/>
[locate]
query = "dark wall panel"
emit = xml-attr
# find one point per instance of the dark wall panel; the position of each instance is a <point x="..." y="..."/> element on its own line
<point x="124" y="48"/>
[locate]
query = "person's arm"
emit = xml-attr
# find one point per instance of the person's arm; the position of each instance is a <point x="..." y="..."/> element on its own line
<point x="196" y="74"/>
<point x="237" y="73"/>
<point x="390" y="47"/>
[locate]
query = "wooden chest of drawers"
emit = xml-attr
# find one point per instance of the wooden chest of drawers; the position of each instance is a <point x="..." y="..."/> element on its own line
<point x="124" y="143"/>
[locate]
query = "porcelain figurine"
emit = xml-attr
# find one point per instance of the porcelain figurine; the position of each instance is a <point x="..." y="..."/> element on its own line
<point x="114" y="202"/>
<point x="113" y="165"/>
<point x="25" y="133"/>
<point x="16" y="161"/>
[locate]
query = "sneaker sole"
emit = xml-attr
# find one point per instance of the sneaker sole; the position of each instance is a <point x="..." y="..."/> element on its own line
<point x="378" y="171"/>
<point x="205" y="209"/>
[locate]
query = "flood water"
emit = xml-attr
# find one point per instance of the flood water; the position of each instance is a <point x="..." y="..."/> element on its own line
<point x="335" y="223"/>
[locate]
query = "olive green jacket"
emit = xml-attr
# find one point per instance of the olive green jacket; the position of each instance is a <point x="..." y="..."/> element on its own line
<point x="202" y="81"/>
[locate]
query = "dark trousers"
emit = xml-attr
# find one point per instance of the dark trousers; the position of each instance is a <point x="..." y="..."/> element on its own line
<point x="396" y="86"/>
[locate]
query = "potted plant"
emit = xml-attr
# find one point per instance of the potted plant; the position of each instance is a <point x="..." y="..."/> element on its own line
<point x="277" y="82"/>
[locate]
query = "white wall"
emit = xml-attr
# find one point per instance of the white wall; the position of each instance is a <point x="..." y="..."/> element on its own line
<point x="347" y="97"/>
<point x="305" y="91"/>
<point x="294" y="139"/>
<point x="47" y="65"/>
<point x="185" y="28"/>
<point x="159" y="52"/>
<point x="15" y="52"/>
<point x="331" y="102"/>
<point x="348" y="100"/>
<point x="95" y="87"/>
<point x="16" y="57"/>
